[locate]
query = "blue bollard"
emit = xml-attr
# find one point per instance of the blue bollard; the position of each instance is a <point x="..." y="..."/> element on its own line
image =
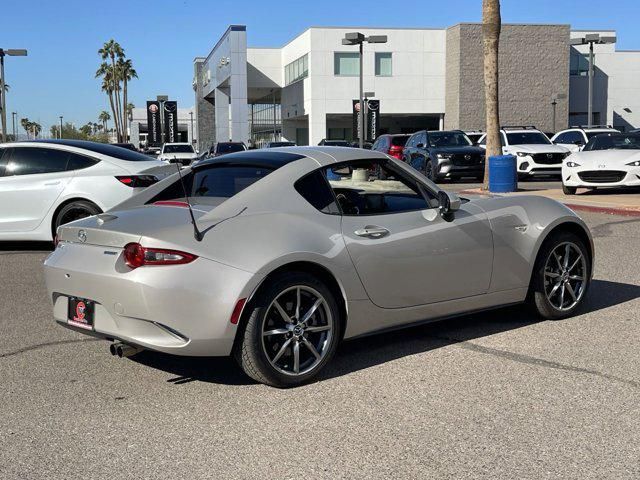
<point x="503" y="173"/>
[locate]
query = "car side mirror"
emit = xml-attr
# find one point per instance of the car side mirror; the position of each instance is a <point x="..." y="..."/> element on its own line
<point x="579" y="143"/>
<point x="420" y="145"/>
<point x="449" y="203"/>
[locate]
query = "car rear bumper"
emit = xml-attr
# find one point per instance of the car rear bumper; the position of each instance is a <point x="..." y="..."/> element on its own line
<point x="177" y="309"/>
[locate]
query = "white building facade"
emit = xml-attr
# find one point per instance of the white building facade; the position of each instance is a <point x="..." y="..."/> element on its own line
<point x="423" y="78"/>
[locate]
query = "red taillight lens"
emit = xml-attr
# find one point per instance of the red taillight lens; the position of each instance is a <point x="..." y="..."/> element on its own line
<point x="396" y="151"/>
<point x="137" y="181"/>
<point x="237" y="311"/>
<point x="135" y="255"/>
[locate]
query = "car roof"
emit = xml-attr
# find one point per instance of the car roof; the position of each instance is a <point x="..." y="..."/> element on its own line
<point x="109" y="150"/>
<point x="279" y="156"/>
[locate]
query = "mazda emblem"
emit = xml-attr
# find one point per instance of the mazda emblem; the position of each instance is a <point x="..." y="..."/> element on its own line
<point x="467" y="157"/>
<point x="82" y="236"/>
<point x="549" y="155"/>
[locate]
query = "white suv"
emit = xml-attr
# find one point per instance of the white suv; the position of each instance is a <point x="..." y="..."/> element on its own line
<point x="535" y="153"/>
<point x="44" y="184"/>
<point x="575" y="138"/>
<point x="182" y="153"/>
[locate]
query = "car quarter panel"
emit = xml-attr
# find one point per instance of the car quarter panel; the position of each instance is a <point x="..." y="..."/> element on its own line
<point x="520" y="224"/>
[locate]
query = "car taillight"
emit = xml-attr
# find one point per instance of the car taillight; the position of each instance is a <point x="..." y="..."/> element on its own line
<point x="137" y="181"/>
<point x="396" y="151"/>
<point x="135" y="255"/>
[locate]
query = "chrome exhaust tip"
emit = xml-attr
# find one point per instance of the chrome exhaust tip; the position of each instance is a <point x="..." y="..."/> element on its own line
<point x="124" y="350"/>
<point x="113" y="349"/>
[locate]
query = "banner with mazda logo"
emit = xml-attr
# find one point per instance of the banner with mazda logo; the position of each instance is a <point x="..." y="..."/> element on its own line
<point x="154" y="137"/>
<point x="371" y="119"/>
<point x="171" y="121"/>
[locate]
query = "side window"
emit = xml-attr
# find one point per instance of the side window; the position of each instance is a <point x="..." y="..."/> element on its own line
<point x="422" y="139"/>
<point x="4" y="156"/>
<point x="571" y="137"/>
<point x="377" y="187"/>
<point x="32" y="160"/>
<point x="315" y="190"/>
<point x="412" y="140"/>
<point x="78" y="162"/>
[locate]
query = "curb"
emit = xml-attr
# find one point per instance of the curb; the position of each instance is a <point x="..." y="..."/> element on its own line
<point x="622" y="211"/>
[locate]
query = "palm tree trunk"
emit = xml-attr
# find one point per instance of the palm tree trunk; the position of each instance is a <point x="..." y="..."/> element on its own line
<point x="113" y="109"/>
<point x="116" y="89"/>
<point x="125" y="110"/>
<point x="491" y="25"/>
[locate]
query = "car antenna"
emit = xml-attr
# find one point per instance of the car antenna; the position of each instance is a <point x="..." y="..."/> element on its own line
<point x="197" y="234"/>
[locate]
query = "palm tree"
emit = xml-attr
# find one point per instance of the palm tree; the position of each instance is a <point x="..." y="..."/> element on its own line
<point x="112" y="50"/>
<point x="104" y="117"/>
<point x="25" y="123"/>
<point x="126" y="72"/>
<point x="106" y="73"/>
<point x="491" y="25"/>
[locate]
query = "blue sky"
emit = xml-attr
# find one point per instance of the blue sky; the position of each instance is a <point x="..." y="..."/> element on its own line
<point x="162" y="37"/>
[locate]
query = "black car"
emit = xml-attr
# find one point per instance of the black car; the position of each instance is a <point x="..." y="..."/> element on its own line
<point x="128" y="146"/>
<point x="366" y="144"/>
<point x="444" y="155"/>
<point x="279" y="144"/>
<point x="222" y="148"/>
<point x="334" y="143"/>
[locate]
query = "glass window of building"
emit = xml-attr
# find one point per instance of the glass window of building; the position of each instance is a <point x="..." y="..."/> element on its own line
<point x="579" y="63"/>
<point x="346" y="63"/>
<point x="296" y="70"/>
<point x="383" y="64"/>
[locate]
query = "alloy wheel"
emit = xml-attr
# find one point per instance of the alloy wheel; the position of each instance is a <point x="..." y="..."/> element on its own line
<point x="297" y="330"/>
<point x="565" y="276"/>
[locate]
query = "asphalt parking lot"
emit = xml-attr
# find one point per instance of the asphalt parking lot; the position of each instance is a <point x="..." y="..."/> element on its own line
<point x="494" y="395"/>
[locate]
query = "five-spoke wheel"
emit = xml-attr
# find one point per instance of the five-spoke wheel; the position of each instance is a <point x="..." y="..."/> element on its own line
<point x="292" y="329"/>
<point x="561" y="275"/>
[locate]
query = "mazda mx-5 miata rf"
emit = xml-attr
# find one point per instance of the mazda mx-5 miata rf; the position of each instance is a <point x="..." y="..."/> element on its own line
<point x="275" y="256"/>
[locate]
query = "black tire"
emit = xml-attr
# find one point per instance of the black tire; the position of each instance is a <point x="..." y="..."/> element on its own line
<point x="538" y="294"/>
<point x="428" y="171"/>
<point x="569" y="190"/>
<point x="251" y="350"/>
<point x="74" y="211"/>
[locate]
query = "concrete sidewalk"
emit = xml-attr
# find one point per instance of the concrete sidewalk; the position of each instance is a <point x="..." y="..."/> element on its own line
<point x="614" y="202"/>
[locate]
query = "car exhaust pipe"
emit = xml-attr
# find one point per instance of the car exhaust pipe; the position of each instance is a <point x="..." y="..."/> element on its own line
<point x="123" y="350"/>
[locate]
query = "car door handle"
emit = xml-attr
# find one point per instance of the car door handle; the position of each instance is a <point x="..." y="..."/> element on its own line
<point x="371" y="231"/>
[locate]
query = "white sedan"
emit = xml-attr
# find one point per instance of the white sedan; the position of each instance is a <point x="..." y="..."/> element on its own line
<point x="45" y="184"/>
<point x="608" y="160"/>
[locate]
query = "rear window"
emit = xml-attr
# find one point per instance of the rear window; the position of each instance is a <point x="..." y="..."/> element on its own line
<point x="399" y="141"/>
<point x="230" y="147"/>
<point x="178" y="149"/>
<point x="226" y="181"/>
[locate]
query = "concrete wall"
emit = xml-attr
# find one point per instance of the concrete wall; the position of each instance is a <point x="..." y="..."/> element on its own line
<point x="534" y="67"/>
<point x="204" y="111"/>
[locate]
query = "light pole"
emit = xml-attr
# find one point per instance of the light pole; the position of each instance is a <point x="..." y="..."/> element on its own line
<point x="357" y="38"/>
<point x="191" y="115"/>
<point x="591" y="39"/>
<point x="60" y="132"/>
<point x="13" y="123"/>
<point x="13" y="52"/>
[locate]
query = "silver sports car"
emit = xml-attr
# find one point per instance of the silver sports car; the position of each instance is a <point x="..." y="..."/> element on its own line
<point x="275" y="256"/>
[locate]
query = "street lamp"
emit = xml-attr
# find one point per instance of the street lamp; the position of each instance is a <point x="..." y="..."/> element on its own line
<point x="12" y="52"/>
<point x="14" y="115"/>
<point x="554" y="103"/>
<point x="191" y="115"/>
<point x="357" y="38"/>
<point x="60" y="132"/>
<point x="591" y="39"/>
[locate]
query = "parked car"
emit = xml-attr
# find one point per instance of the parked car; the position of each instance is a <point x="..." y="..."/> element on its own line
<point x="334" y="143"/>
<point x="441" y="155"/>
<point x="182" y="153"/>
<point x="366" y="144"/>
<point x="535" y="153"/>
<point x="391" y="144"/>
<point x="475" y="135"/>
<point x="333" y="260"/>
<point x="575" y="138"/>
<point x="279" y="144"/>
<point x="608" y="160"/>
<point x="222" y="148"/>
<point x="152" y="151"/>
<point x="128" y="146"/>
<point x="47" y="183"/>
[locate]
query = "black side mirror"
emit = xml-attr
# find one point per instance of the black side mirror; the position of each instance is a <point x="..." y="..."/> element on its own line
<point x="420" y="145"/>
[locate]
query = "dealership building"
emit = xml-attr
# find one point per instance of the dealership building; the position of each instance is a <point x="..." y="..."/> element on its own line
<point x="422" y="77"/>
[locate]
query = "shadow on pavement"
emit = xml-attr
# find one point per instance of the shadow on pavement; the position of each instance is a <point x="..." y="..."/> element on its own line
<point x="361" y="353"/>
<point x="26" y="247"/>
